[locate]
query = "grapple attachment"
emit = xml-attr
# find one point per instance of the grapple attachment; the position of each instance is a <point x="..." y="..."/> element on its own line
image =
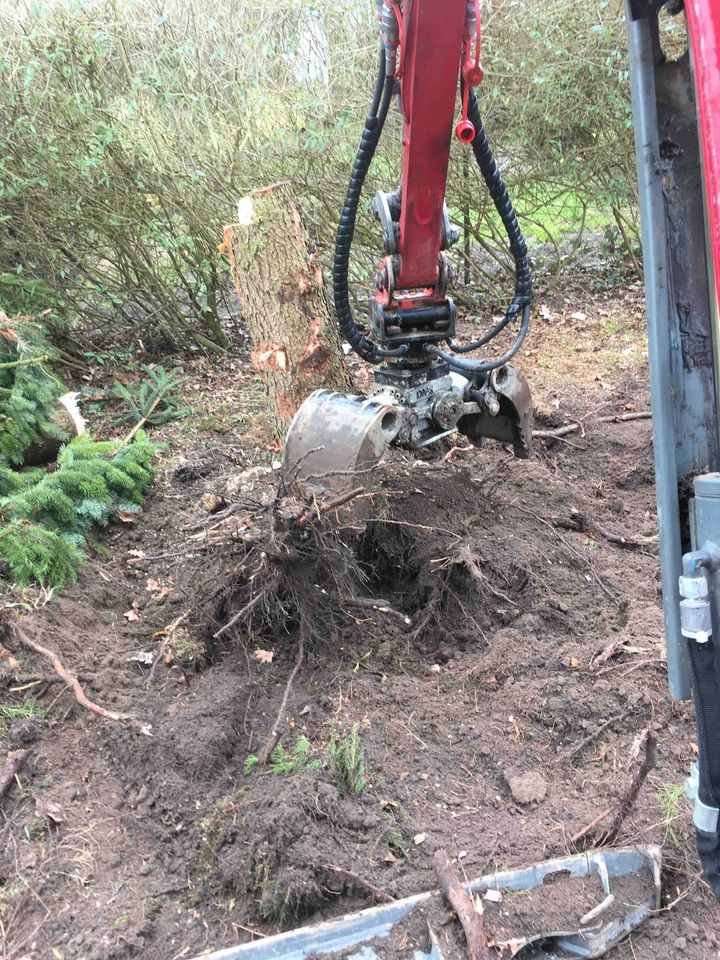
<point x="508" y="417"/>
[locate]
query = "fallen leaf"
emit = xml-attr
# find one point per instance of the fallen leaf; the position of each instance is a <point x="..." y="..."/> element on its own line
<point x="574" y="662"/>
<point x="132" y="614"/>
<point x="157" y="589"/>
<point x="45" y="807"/>
<point x="545" y="312"/>
<point x="10" y="660"/>
<point x="264" y="656"/>
<point x="125" y="516"/>
<point x="146" y="657"/>
<point x="211" y="502"/>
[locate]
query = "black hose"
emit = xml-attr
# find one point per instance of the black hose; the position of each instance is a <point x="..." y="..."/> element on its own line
<point x="463" y="365"/>
<point x="382" y="98"/>
<point x="518" y="248"/>
<point x="706" y="694"/>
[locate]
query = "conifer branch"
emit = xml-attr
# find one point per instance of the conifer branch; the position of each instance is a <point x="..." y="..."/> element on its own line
<point x="24" y="362"/>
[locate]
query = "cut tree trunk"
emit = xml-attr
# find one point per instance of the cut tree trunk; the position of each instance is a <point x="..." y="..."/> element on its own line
<point x="282" y="295"/>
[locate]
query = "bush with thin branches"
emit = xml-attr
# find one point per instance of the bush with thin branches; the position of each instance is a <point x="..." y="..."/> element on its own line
<point x="129" y="130"/>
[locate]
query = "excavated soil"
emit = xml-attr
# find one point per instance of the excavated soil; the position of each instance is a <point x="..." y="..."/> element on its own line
<point x="497" y="724"/>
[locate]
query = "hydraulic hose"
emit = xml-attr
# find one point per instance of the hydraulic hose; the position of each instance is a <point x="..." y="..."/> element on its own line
<point x="382" y="98"/>
<point x="518" y="248"/>
<point x="464" y="365"/>
<point x="707" y="713"/>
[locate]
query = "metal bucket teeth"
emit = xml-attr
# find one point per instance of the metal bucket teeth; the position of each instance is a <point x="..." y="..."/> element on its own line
<point x="336" y="440"/>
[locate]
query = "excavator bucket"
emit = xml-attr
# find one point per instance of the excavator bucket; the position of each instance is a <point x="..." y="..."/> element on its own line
<point x="601" y="897"/>
<point x="336" y="440"/>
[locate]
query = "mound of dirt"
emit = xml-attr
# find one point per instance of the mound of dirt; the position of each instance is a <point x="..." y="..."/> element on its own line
<point x="533" y="650"/>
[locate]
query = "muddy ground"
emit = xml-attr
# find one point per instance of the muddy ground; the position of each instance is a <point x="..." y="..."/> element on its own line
<point x="497" y="724"/>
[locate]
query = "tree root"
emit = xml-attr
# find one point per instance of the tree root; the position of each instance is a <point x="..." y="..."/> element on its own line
<point x="642" y="760"/>
<point x="13" y="765"/>
<point x="74" y="685"/>
<point x="583" y="524"/>
<point x="559" y="432"/>
<point x="357" y="881"/>
<point x="277" y="731"/>
<point x="245" y="611"/>
<point x="462" y="904"/>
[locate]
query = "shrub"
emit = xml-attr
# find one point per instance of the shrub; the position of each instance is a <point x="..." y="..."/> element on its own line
<point x="128" y="132"/>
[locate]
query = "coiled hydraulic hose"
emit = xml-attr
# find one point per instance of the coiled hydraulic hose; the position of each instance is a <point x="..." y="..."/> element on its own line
<point x="520" y="304"/>
<point x="382" y="98"/>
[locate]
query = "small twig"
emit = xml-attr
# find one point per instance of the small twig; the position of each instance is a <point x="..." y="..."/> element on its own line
<point x="382" y="606"/>
<point x="143" y="420"/>
<point x="625" y="417"/>
<point x="575" y="427"/>
<point x="566" y="754"/>
<point x="358" y="881"/>
<point x="13" y="765"/>
<point x="462" y="904"/>
<point x="557" y="433"/>
<point x="276" y="732"/>
<point x="642" y="761"/>
<point x="74" y="684"/>
<point x="251" y="930"/>
<point x="169" y="631"/>
<point x="590" y="827"/>
<point x="26" y="362"/>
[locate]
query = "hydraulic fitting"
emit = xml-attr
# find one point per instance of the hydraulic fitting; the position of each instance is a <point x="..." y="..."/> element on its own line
<point x="391" y="37"/>
<point x="695" y="615"/>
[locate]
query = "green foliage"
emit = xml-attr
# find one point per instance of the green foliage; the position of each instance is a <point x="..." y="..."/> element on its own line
<point x="22" y="712"/>
<point x="284" y="761"/>
<point x="153" y="397"/>
<point x="250" y="763"/>
<point x="670" y="800"/>
<point x="28" y="391"/>
<point x="347" y="762"/>
<point x="10" y="712"/>
<point x="47" y="524"/>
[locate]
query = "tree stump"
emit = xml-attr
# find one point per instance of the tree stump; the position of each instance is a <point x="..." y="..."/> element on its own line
<point x="282" y="295"/>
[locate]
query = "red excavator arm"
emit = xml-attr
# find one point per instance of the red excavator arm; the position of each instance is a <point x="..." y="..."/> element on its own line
<point x="426" y="385"/>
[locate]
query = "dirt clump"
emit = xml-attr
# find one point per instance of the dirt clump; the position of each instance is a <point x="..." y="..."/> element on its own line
<point x="528" y="787"/>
